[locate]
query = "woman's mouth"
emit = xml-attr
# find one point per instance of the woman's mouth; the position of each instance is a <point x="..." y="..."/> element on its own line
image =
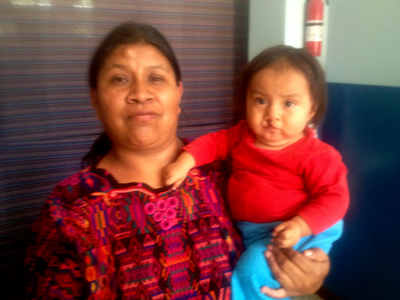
<point x="143" y="116"/>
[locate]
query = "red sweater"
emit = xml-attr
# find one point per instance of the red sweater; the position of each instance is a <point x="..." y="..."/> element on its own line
<point x="307" y="178"/>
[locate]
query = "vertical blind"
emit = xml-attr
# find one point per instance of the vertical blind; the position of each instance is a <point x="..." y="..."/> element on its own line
<point x="46" y="120"/>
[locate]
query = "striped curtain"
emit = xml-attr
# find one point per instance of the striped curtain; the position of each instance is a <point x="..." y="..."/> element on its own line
<point x="46" y="120"/>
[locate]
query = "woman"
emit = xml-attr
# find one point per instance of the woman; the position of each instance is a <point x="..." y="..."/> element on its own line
<point x="113" y="230"/>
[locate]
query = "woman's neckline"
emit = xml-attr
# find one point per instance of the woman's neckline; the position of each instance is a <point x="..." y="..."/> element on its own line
<point x="117" y="185"/>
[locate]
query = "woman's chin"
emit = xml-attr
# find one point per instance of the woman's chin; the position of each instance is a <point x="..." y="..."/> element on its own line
<point x="143" y="139"/>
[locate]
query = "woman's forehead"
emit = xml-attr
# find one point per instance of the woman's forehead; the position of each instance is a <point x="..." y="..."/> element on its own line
<point x="137" y="55"/>
<point x="132" y="51"/>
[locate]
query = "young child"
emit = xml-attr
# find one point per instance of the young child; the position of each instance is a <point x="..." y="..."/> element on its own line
<point x="287" y="186"/>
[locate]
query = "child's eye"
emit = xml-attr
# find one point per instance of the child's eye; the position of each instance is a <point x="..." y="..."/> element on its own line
<point x="260" y="101"/>
<point x="289" y="103"/>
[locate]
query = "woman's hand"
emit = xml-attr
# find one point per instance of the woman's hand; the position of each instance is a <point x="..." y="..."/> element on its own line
<point x="298" y="273"/>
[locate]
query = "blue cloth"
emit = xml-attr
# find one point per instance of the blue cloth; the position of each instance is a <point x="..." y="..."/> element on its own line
<point x="252" y="271"/>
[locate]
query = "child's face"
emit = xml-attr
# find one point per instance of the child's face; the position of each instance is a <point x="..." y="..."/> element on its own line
<point x="278" y="107"/>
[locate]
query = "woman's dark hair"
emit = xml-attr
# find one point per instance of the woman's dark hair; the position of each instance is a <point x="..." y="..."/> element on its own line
<point x="101" y="146"/>
<point x="126" y="33"/>
<point x="285" y="56"/>
<point x="131" y="33"/>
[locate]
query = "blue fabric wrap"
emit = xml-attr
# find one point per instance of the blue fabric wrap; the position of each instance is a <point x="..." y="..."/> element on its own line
<point x="252" y="271"/>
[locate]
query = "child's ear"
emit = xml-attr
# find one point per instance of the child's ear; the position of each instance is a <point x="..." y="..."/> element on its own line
<point x="313" y="110"/>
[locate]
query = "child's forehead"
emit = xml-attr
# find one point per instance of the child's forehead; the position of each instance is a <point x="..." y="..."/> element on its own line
<point x="283" y="78"/>
<point x="281" y="68"/>
<point x="282" y="65"/>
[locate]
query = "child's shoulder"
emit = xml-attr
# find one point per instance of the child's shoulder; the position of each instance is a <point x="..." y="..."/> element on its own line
<point x="319" y="149"/>
<point x="242" y="125"/>
<point x="313" y="146"/>
<point x="318" y="145"/>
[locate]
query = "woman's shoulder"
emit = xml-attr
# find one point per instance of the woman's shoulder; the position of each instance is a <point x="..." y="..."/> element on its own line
<point x="80" y="185"/>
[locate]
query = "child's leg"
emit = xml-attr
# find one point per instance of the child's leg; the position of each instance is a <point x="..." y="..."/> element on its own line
<point x="252" y="271"/>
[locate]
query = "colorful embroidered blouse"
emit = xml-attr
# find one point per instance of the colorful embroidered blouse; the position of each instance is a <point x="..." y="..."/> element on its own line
<point x="97" y="239"/>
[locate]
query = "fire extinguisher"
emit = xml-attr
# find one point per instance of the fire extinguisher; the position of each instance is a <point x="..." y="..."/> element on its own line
<point x="314" y="26"/>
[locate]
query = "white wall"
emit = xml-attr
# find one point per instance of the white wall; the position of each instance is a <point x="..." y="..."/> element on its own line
<point x="266" y="25"/>
<point x="361" y="40"/>
<point x="364" y="42"/>
<point x="294" y="22"/>
<point x="275" y="22"/>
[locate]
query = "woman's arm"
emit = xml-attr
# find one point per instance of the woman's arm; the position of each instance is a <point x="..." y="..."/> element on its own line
<point x="53" y="267"/>
<point x="298" y="273"/>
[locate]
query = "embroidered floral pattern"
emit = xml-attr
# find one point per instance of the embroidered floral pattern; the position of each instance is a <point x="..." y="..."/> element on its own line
<point x="133" y="242"/>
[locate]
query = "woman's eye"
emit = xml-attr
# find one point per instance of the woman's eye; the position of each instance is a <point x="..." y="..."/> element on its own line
<point x="157" y="79"/>
<point x="119" y="79"/>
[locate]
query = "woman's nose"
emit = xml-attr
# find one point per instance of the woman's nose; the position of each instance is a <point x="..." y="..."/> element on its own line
<point x="139" y="92"/>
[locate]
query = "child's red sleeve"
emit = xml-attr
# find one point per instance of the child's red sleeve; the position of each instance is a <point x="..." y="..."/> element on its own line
<point x="215" y="145"/>
<point x="326" y="180"/>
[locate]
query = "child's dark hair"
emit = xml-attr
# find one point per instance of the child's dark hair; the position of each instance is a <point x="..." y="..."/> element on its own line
<point x="126" y="33"/>
<point x="298" y="59"/>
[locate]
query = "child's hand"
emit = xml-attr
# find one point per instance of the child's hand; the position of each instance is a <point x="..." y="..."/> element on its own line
<point x="289" y="233"/>
<point x="176" y="172"/>
<point x="286" y="234"/>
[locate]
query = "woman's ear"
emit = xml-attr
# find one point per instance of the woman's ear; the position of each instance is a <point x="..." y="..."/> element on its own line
<point x="180" y="88"/>
<point x="180" y="91"/>
<point x="93" y="98"/>
<point x="95" y="102"/>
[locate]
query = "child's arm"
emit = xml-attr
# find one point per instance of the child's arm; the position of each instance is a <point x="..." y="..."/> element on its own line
<point x="201" y="151"/>
<point x="176" y="172"/>
<point x="326" y="183"/>
<point x="289" y="233"/>
<point x="325" y="177"/>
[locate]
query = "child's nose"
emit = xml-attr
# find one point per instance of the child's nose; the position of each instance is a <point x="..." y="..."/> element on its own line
<point x="273" y="111"/>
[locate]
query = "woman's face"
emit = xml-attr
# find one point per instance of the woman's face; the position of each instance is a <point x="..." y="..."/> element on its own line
<point x="137" y="98"/>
